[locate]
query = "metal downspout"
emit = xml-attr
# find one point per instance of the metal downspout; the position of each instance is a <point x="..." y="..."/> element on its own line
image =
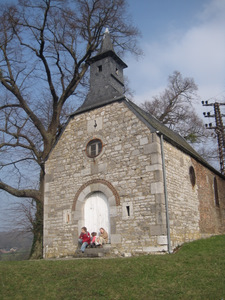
<point x="166" y="196"/>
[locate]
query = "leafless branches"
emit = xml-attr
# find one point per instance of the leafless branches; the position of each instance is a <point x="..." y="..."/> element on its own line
<point x="43" y="52"/>
<point x="174" y="108"/>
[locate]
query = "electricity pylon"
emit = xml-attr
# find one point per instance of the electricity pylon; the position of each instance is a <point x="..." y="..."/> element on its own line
<point x="219" y="130"/>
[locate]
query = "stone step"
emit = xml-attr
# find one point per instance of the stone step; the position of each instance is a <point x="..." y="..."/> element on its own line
<point x="93" y="252"/>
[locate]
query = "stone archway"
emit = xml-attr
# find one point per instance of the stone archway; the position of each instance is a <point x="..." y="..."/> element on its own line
<point x="95" y="185"/>
<point x="92" y="186"/>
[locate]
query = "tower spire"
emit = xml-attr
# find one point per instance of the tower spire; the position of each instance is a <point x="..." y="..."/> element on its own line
<point x="106" y="42"/>
<point x="106" y="75"/>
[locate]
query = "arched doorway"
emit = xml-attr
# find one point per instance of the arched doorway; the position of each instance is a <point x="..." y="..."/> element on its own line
<point x="96" y="212"/>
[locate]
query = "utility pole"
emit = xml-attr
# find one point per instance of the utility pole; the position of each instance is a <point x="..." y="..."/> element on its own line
<point x="219" y="130"/>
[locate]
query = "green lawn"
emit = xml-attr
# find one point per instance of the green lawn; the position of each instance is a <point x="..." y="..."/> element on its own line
<point x="18" y="255"/>
<point x="196" y="271"/>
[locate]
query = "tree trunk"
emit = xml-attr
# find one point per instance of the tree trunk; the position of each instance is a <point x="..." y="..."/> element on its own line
<point x="37" y="246"/>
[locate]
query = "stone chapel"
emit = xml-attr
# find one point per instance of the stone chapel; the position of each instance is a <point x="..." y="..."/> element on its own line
<point x="117" y="167"/>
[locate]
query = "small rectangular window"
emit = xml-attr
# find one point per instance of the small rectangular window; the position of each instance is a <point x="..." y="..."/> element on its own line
<point x="100" y="68"/>
<point x="216" y="195"/>
<point x="128" y="211"/>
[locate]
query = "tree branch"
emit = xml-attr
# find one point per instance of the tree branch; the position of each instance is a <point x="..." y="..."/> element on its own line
<point x="26" y="193"/>
<point x="15" y="162"/>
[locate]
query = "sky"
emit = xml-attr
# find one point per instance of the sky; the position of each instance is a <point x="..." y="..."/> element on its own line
<point x="183" y="35"/>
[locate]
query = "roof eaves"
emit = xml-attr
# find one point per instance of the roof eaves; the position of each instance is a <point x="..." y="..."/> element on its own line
<point x="106" y="54"/>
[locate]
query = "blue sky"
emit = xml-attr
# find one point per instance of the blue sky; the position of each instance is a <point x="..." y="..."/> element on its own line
<point x="183" y="35"/>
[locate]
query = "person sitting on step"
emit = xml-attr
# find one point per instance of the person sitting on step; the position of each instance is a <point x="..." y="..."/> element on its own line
<point x="102" y="238"/>
<point x="93" y="239"/>
<point x="84" y="239"/>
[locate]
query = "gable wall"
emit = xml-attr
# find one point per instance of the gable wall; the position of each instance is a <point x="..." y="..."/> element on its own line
<point x="130" y="162"/>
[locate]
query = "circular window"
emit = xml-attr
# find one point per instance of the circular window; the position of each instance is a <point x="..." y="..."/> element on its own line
<point x="94" y="148"/>
<point x="192" y="176"/>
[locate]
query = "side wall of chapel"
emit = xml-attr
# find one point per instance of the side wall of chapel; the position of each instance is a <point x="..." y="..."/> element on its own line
<point x="183" y="204"/>
<point x="212" y="214"/>
<point x="193" y="212"/>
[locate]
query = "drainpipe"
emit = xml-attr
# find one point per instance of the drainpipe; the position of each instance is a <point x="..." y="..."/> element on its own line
<point x="165" y="192"/>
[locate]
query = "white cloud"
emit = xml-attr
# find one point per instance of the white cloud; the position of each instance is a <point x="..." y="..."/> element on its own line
<point x="198" y="52"/>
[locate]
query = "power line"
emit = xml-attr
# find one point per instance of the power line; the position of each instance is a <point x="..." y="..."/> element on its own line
<point x="215" y="96"/>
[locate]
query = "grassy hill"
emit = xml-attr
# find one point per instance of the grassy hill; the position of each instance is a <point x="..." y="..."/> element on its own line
<point x="196" y="271"/>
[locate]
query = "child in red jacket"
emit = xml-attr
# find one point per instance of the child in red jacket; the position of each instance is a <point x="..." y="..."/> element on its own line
<point x="84" y="239"/>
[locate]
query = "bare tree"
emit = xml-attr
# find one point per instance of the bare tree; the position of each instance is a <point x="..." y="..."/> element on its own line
<point x="44" y="48"/>
<point x="174" y="108"/>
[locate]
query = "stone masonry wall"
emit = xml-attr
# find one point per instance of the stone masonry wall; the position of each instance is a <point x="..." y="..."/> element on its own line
<point x="183" y="204"/>
<point x="212" y="216"/>
<point x="192" y="210"/>
<point x="128" y="169"/>
<point x="130" y="162"/>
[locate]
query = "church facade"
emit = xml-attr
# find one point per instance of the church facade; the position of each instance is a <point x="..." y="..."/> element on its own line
<point x="117" y="167"/>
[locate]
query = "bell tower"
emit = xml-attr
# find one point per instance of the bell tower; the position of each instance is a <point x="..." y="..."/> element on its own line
<point x="106" y="75"/>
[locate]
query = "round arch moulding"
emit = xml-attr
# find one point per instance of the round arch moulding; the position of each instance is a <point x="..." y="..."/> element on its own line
<point x="96" y="185"/>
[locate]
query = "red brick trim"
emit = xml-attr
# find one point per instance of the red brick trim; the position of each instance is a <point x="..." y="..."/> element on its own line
<point x="93" y="181"/>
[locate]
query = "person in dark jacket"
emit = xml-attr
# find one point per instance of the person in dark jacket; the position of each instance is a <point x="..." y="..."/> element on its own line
<point x="84" y="239"/>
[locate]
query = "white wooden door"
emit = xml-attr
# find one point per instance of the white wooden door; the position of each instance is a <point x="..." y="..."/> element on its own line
<point x="96" y="213"/>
